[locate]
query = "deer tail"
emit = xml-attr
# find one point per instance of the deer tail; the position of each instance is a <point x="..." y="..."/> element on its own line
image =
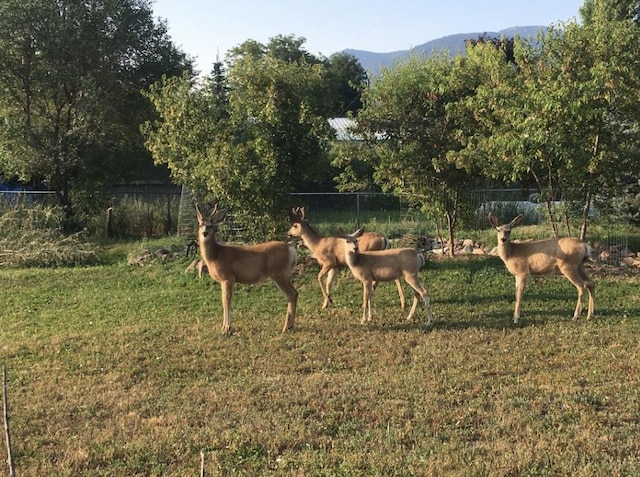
<point x="421" y="260"/>
<point x="293" y="255"/>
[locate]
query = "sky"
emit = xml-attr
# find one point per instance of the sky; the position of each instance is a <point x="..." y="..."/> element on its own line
<point x="207" y="29"/>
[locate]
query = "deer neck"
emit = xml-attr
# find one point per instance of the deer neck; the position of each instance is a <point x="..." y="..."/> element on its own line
<point x="310" y="237"/>
<point x="351" y="258"/>
<point x="208" y="249"/>
<point x="505" y="249"/>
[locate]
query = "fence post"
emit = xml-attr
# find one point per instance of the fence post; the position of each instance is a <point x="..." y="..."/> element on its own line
<point x="109" y="224"/>
<point x="167" y="225"/>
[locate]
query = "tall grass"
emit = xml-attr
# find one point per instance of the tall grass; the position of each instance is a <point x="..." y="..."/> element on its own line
<point x="120" y="370"/>
<point x="137" y="216"/>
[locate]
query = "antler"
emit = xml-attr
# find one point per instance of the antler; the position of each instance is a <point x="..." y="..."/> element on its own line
<point x="300" y="212"/>
<point x="214" y="206"/>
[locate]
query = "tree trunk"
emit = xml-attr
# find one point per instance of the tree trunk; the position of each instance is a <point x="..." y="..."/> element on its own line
<point x="585" y="216"/>
<point x="451" y="227"/>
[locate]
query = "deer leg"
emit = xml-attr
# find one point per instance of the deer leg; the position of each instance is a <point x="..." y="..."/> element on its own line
<point x="578" y="311"/>
<point x="330" y="276"/>
<point x="521" y="283"/>
<point x="578" y="281"/>
<point x="366" y="301"/>
<point x="403" y="302"/>
<point x="227" y="293"/>
<point x="330" y="272"/>
<point x="414" y="305"/>
<point x="590" y="289"/>
<point x="592" y="307"/>
<point x="292" y="300"/>
<point x="419" y="291"/>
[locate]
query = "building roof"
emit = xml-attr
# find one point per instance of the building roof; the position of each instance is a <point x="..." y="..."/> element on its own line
<point x="343" y="128"/>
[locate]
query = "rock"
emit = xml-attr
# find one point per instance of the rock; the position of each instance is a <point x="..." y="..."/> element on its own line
<point x="630" y="262"/>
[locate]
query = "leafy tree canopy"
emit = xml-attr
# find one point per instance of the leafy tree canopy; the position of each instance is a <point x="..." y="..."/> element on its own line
<point x="267" y="135"/>
<point x="71" y="73"/>
<point x="413" y="136"/>
<point x="567" y="116"/>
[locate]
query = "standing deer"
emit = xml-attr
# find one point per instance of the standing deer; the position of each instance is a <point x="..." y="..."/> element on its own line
<point x="230" y="264"/>
<point x="329" y="251"/>
<point x="542" y="257"/>
<point x="383" y="266"/>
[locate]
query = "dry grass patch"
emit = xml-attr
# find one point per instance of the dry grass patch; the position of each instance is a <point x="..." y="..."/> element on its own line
<point x="129" y="375"/>
<point x="33" y="237"/>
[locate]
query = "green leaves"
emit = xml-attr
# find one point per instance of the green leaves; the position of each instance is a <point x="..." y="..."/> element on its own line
<point x="416" y="134"/>
<point x="250" y="137"/>
<point x="559" y="117"/>
<point x="70" y="82"/>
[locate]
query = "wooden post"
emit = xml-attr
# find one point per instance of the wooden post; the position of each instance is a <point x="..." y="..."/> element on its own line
<point x="7" y="431"/>
<point x="109" y="224"/>
<point x="167" y="225"/>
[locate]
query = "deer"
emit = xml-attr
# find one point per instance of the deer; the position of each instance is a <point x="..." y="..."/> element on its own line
<point x="383" y="266"/>
<point x="541" y="257"/>
<point x="246" y="264"/>
<point x="329" y="252"/>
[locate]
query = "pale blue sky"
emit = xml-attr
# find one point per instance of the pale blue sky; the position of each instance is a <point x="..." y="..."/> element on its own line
<point x="204" y="28"/>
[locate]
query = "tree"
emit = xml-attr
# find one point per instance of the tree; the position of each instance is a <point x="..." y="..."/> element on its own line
<point x="71" y="73"/>
<point x="346" y="79"/>
<point x="596" y="16"/>
<point x="271" y="141"/>
<point x="594" y="11"/>
<point x="566" y="115"/>
<point x="412" y="137"/>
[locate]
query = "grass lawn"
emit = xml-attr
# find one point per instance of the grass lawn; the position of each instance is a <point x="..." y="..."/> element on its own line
<point x="121" y="370"/>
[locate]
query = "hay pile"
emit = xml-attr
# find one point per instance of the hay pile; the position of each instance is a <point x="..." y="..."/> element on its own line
<point x="33" y="237"/>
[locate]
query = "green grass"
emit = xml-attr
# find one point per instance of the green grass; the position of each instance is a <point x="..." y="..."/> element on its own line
<point x="122" y="370"/>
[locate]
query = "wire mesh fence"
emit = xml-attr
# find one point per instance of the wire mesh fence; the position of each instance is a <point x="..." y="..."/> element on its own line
<point x="157" y="210"/>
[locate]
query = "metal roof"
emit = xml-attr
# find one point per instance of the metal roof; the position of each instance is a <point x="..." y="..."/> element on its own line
<point x="343" y="128"/>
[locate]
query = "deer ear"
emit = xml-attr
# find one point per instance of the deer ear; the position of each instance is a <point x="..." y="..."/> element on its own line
<point x="218" y="216"/>
<point x="358" y="233"/>
<point x="517" y="221"/>
<point x="494" y="220"/>
<point x="341" y="233"/>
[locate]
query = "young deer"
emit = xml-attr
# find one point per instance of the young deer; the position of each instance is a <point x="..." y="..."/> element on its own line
<point x="230" y="264"/>
<point x="329" y="251"/>
<point x="544" y="256"/>
<point x="383" y="266"/>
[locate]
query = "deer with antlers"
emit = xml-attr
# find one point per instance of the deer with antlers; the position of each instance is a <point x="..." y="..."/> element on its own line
<point x="329" y="251"/>
<point x="383" y="266"/>
<point x="230" y="264"/>
<point x="541" y="257"/>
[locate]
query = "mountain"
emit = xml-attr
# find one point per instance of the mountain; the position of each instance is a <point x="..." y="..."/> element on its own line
<point x="454" y="44"/>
